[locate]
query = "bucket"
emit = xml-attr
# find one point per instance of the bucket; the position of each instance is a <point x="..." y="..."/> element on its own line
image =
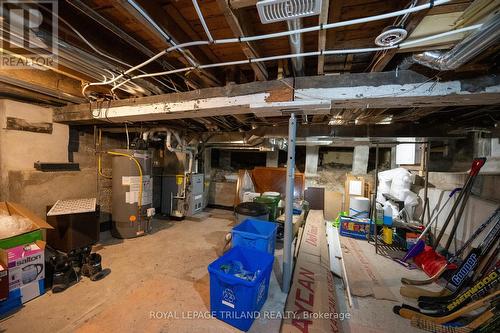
<point x="252" y="210"/>
<point x="271" y="203"/>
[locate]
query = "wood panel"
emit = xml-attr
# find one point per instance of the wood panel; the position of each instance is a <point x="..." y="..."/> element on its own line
<point x="274" y="179"/>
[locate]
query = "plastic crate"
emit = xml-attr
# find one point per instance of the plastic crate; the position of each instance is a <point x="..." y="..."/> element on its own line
<point x="355" y="227"/>
<point x="11" y="303"/>
<point x="237" y="301"/>
<point x="255" y="234"/>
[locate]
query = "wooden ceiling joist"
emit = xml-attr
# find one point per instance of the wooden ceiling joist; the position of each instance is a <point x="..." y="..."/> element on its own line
<point x="237" y="4"/>
<point x="382" y="59"/>
<point x="350" y="91"/>
<point x="240" y="28"/>
<point x="334" y="14"/>
<point x="208" y="79"/>
<point x="323" y="19"/>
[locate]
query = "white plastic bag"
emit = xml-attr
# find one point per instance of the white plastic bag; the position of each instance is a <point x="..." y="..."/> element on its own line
<point x="11" y="225"/>
<point x="246" y="185"/>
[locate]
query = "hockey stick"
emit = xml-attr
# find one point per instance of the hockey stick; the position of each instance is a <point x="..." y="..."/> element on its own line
<point x="457" y="255"/>
<point x="409" y="312"/>
<point x="478" y="290"/>
<point x="416" y="292"/>
<point x="474" y="170"/>
<point x="464" y="273"/>
<point x="424" y="282"/>
<point x="431" y="326"/>
<point x="478" y="284"/>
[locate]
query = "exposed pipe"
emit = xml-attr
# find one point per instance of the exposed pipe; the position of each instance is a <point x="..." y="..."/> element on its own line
<point x="296" y="46"/>
<point x="168" y="38"/>
<point x="305" y="54"/>
<point x="243" y="39"/>
<point x="202" y="20"/>
<point x="463" y="52"/>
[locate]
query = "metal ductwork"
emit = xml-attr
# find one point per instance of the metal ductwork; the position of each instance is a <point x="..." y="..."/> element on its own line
<point x="470" y="47"/>
<point x="296" y="46"/>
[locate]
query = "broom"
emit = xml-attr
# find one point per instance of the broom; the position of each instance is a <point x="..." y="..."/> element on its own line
<point x="420" y="244"/>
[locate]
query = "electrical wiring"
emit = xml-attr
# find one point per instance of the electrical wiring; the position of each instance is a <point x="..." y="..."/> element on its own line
<point x="202" y="20"/>
<point x="243" y="39"/>
<point x="304" y="54"/>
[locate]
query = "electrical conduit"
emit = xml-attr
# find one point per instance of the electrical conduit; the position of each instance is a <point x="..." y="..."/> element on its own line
<point x="243" y="39"/>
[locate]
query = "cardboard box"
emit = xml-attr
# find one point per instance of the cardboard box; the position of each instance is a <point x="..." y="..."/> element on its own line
<point x="27" y="269"/>
<point x="32" y="235"/>
<point x="355" y="227"/>
<point x="333" y="204"/>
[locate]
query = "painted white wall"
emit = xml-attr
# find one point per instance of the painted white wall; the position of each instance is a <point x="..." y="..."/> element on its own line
<point x="476" y="212"/>
<point x="20" y="149"/>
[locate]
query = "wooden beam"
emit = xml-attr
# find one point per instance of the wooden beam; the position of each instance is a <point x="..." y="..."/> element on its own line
<point x="382" y="59"/>
<point x="155" y="12"/>
<point x="375" y="132"/>
<point x="19" y="124"/>
<point x="240" y="28"/>
<point x="45" y="82"/>
<point x="272" y="98"/>
<point x="323" y="19"/>
<point x="174" y="15"/>
<point x="334" y="15"/>
<point x="237" y="4"/>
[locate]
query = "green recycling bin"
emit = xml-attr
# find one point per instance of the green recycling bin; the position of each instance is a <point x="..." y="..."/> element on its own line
<point x="272" y="203"/>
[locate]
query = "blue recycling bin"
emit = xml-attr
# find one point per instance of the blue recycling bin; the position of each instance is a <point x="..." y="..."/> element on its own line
<point x="234" y="300"/>
<point x="255" y="234"/>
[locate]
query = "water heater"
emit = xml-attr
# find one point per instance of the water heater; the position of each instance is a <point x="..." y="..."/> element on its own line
<point x="127" y="219"/>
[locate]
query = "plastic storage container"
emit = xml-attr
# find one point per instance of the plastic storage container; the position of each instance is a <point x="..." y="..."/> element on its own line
<point x="255" y="234"/>
<point x="272" y="203"/>
<point x="387" y="215"/>
<point x="253" y="210"/>
<point x="234" y="300"/>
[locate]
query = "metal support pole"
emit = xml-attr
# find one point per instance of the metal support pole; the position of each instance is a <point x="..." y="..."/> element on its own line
<point x="427" y="155"/>
<point x="290" y="181"/>
<point x="374" y="209"/>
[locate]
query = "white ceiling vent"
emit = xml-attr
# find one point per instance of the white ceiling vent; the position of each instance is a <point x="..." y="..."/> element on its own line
<point x="282" y="10"/>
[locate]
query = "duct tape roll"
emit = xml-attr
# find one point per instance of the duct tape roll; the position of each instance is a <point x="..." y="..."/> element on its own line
<point x="359" y="207"/>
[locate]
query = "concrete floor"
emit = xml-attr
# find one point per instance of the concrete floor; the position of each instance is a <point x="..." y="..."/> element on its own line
<point x="371" y="315"/>
<point x="162" y="272"/>
<point x="167" y="272"/>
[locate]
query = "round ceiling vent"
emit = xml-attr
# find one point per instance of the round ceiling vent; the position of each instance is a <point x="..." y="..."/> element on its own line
<point x="391" y="36"/>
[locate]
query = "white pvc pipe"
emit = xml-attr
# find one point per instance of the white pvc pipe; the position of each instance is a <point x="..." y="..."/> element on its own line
<point x="202" y="20"/>
<point x="269" y="36"/>
<point x="306" y="54"/>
